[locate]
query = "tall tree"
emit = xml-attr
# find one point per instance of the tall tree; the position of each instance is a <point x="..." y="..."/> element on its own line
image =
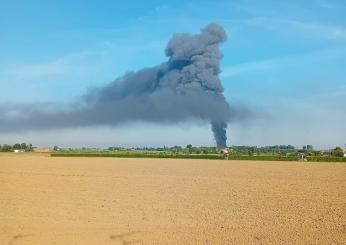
<point x="189" y="147"/>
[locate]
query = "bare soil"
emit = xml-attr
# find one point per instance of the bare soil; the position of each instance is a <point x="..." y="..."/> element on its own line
<point x="45" y="200"/>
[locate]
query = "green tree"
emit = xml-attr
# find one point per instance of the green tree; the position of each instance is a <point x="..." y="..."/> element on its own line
<point x="7" y="148"/>
<point x="338" y="152"/>
<point x="29" y="147"/>
<point x="189" y="147"/>
<point x="23" y="146"/>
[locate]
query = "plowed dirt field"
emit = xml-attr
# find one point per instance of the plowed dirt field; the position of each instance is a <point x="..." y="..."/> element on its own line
<point x="46" y="200"/>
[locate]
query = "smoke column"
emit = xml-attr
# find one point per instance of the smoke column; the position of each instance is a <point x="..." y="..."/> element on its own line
<point x="184" y="88"/>
<point x="219" y="130"/>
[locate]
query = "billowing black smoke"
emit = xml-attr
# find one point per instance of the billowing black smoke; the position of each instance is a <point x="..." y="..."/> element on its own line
<point x="186" y="87"/>
<point x="219" y="130"/>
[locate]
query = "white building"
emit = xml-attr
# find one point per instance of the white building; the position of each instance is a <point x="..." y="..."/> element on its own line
<point x="17" y="151"/>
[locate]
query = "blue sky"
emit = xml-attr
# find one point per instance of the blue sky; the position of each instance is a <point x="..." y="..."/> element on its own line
<point x="284" y="60"/>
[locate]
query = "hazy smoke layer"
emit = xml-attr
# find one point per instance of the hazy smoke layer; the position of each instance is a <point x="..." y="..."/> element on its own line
<point x="186" y="87"/>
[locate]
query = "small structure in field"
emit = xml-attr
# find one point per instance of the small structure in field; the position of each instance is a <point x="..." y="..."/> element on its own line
<point x="302" y="157"/>
<point x="17" y="151"/>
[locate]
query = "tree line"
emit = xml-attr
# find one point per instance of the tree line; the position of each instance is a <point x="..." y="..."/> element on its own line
<point x="275" y="150"/>
<point x="18" y="146"/>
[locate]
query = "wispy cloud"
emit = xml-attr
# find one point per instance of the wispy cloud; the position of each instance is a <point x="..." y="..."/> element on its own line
<point x="323" y="31"/>
<point x="295" y="27"/>
<point x="52" y="68"/>
<point x="239" y="69"/>
<point x="162" y="8"/>
<point x="280" y="62"/>
<point x="59" y="66"/>
<point x="327" y="4"/>
<point x="328" y="96"/>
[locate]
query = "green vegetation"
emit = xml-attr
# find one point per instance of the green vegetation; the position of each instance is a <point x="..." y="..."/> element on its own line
<point x="338" y="152"/>
<point x="281" y="150"/>
<point x="267" y="153"/>
<point x="326" y="159"/>
<point x="135" y="155"/>
<point x="20" y="147"/>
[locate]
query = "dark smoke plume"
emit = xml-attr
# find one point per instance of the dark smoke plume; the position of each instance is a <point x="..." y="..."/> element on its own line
<point x="186" y="87"/>
<point x="219" y="130"/>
